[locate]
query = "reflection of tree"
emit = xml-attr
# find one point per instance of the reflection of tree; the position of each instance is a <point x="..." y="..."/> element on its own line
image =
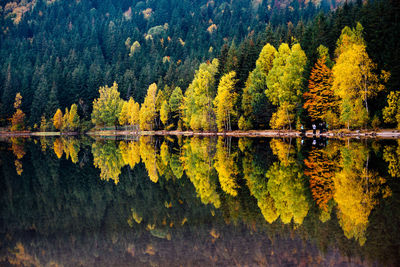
<point x="58" y="147"/>
<point x="356" y="191"/>
<point x="286" y="184"/>
<point x="391" y="155"/>
<point x="198" y="164"/>
<point x="71" y="148"/>
<point x="17" y="147"/>
<point x="321" y="166"/>
<point x="149" y="157"/>
<point x="254" y="174"/>
<point x="130" y="153"/>
<point x="226" y="168"/>
<point x="108" y="158"/>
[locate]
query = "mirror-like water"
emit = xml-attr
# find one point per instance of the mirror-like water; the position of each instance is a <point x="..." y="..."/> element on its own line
<point x="199" y="201"/>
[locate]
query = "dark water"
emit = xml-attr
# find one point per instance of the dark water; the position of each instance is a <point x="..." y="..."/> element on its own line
<point x="199" y="202"/>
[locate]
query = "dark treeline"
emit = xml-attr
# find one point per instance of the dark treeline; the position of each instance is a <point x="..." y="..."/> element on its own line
<point x="61" y="53"/>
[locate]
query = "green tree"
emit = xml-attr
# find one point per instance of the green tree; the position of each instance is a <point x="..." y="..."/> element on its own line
<point x="73" y="117"/>
<point x="254" y="101"/>
<point x="198" y="113"/>
<point x="164" y="113"/>
<point x="107" y="107"/>
<point x="285" y="84"/>
<point x="175" y="104"/>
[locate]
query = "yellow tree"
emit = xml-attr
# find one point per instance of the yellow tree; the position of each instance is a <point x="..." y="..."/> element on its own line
<point x="107" y="107"/>
<point x="147" y="114"/>
<point x="18" y="118"/>
<point x="225" y="100"/>
<point x="58" y="119"/>
<point x="354" y="77"/>
<point x="123" y="116"/>
<point x="391" y="113"/>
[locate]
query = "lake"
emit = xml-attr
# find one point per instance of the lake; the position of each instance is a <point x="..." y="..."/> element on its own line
<point x="191" y="201"/>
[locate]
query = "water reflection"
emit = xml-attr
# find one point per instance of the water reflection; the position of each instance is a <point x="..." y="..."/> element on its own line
<point x="208" y="193"/>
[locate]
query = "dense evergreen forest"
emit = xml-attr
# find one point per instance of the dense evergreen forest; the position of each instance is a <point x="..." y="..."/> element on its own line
<point x="57" y="54"/>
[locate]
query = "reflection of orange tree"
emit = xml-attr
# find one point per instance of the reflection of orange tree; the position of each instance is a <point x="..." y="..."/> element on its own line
<point x="321" y="166"/>
<point x="17" y="147"/>
<point x="198" y="164"/>
<point x="286" y="184"/>
<point x="107" y="156"/>
<point x="226" y="168"/>
<point x="391" y="155"/>
<point x="58" y="147"/>
<point x="356" y="191"/>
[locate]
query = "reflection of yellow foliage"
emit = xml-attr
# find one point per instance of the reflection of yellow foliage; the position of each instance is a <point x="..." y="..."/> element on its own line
<point x="18" y="167"/>
<point x="356" y="190"/>
<point x="17" y="147"/>
<point x="226" y="168"/>
<point x="197" y="161"/>
<point x="149" y="157"/>
<point x="391" y="155"/>
<point x="22" y="258"/>
<point x="58" y="147"/>
<point x="282" y="150"/>
<point x="108" y="158"/>
<point x="130" y="153"/>
<point x="286" y="187"/>
<point x="71" y="148"/>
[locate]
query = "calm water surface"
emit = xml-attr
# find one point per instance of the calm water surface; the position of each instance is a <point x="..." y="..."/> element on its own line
<point x="199" y="202"/>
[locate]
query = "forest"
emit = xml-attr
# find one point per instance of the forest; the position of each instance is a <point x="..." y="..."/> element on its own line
<point x="281" y="65"/>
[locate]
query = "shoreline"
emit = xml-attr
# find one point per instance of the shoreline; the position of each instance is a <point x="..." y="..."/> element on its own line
<point x="381" y="134"/>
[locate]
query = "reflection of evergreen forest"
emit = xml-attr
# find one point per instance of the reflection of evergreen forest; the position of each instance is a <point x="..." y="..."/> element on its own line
<point x="198" y="201"/>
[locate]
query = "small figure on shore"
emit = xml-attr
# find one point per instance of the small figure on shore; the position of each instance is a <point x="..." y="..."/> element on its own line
<point x="314" y="129"/>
